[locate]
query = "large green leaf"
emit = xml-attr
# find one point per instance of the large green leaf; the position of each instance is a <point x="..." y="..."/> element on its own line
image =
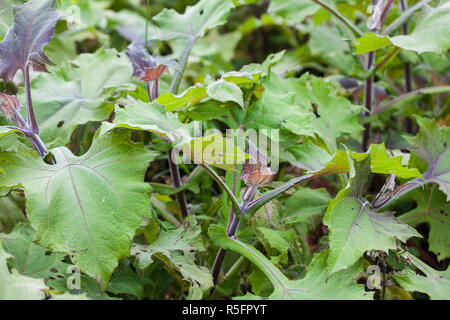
<point x="316" y="285"/>
<point x="193" y="23"/>
<point x="77" y="93"/>
<point x="435" y="283"/>
<point x="434" y="209"/>
<point x="432" y="33"/>
<point x="88" y="206"/>
<point x="355" y="228"/>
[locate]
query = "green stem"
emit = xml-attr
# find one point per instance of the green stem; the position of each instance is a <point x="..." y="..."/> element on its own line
<point x="216" y="177"/>
<point x="182" y="65"/>
<point x="166" y="214"/>
<point x="429" y="90"/>
<point x="343" y="19"/>
<point x="147" y="23"/>
<point x="405" y="16"/>
<point x="262" y="200"/>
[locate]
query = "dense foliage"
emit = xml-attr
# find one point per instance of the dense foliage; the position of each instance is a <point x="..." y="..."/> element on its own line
<point x="97" y="96"/>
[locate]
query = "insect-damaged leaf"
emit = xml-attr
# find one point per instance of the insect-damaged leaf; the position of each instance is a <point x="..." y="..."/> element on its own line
<point x="145" y="66"/>
<point x="14" y="286"/>
<point x="435" y="283"/>
<point x="24" y="43"/>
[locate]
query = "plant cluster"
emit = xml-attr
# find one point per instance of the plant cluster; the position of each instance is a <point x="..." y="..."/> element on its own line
<point x="98" y="97"/>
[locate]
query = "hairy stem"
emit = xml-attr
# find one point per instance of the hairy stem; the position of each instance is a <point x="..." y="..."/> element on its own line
<point x="30" y="111"/>
<point x="407" y="69"/>
<point x="222" y="252"/>
<point x="174" y="170"/>
<point x="216" y="177"/>
<point x="34" y="138"/>
<point x="429" y="90"/>
<point x="156" y="89"/>
<point x="368" y="94"/>
<point x="149" y="91"/>
<point x="176" y="179"/>
<point x="255" y="205"/>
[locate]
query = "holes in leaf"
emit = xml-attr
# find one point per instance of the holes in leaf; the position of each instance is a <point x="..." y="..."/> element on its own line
<point x="54" y="270"/>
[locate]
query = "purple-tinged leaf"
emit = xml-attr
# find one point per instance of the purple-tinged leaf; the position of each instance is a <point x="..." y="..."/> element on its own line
<point x="145" y="66"/>
<point x="24" y="43"/>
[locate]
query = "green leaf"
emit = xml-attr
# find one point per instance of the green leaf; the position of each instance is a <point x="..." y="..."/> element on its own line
<point x="10" y="214"/>
<point x="179" y="247"/>
<point x="204" y="15"/>
<point x="371" y="42"/>
<point x="224" y="91"/>
<point x="264" y="68"/>
<point x="431" y="144"/>
<point x="14" y="286"/>
<point x="314" y="286"/>
<point x="431" y="34"/>
<point x="310" y="157"/>
<point x="293" y="11"/>
<point x="278" y="111"/>
<point x="242" y="78"/>
<point x="381" y="163"/>
<point x="29" y="258"/>
<point x="304" y="204"/>
<point x="77" y="93"/>
<point x="337" y="115"/>
<point x="190" y="97"/>
<point x="150" y="117"/>
<point x="88" y="206"/>
<point x="215" y="150"/>
<point x="355" y="228"/>
<point x="435" y="283"/>
<point x="434" y="209"/>
<point x="126" y="281"/>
